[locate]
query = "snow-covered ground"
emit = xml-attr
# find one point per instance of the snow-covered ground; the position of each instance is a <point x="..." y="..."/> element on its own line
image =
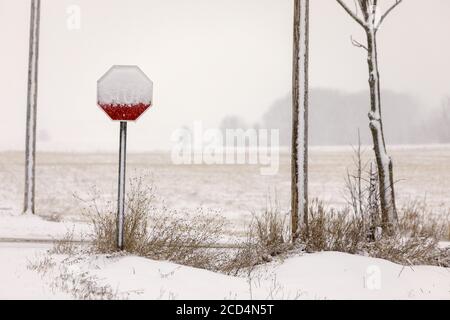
<point x="30" y="272"/>
<point x="328" y="275"/>
<point x="422" y="172"/>
<point x="17" y="281"/>
<point x="16" y="226"/>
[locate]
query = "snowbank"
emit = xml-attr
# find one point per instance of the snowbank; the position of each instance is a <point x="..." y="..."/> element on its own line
<point x="313" y="276"/>
<point x="17" y="281"/>
<point x="334" y="275"/>
<point x="316" y="276"/>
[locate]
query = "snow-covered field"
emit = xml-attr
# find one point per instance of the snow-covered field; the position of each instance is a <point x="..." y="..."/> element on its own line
<point x="237" y="191"/>
<point x="29" y="272"/>
<point x="311" y="276"/>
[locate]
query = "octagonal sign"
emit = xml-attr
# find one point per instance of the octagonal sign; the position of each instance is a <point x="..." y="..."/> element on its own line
<point x="124" y="93"/>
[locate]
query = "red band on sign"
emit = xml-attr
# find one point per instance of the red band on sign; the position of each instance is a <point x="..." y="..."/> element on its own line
<point x="125" y="112"/>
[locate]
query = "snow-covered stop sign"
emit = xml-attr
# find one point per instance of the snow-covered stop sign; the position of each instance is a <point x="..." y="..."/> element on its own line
<point x="124" y="93"/>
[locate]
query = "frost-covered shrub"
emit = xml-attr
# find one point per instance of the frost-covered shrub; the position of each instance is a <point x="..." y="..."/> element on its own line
<point x="332" y="230"/>
<point x="268" y="236"/>
<point x="156" y="233"/>
<point x="415" y="242"/>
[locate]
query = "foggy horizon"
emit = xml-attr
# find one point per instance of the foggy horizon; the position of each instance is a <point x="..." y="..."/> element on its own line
<point x="207" y="59"/>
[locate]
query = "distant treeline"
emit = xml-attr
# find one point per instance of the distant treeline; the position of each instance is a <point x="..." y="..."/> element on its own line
<point x="335" y="118"/>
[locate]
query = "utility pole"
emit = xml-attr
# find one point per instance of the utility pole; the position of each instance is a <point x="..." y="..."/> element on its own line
<point x="300" y="95"/>
<point x="30" y="143"/>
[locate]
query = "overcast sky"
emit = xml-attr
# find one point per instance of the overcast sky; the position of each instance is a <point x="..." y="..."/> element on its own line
<point x="207" y="58"/>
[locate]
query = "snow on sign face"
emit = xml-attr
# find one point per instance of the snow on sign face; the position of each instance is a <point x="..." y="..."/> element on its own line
<point x="124" y="93"/>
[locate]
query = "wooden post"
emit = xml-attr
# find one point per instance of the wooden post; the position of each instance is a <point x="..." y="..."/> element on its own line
<point x="299" y="161"/>
<point x="30" y="136"/>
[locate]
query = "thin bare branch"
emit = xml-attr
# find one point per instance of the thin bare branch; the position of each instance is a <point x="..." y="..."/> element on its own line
<point x="351" y="13"/>
<point x="397" y="2"/>
<point x="358" y="44"/>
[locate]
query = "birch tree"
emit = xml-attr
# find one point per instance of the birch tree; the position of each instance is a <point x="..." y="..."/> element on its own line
<point x="368" y="15"/>
<point x="299" y="161"/>
<point x="30" y="146"/>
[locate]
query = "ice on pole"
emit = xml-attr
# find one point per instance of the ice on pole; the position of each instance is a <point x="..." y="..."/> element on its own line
<point x="124" y="93"/>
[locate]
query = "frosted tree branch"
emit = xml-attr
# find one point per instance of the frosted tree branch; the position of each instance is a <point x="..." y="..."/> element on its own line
<point x="351" y="13"/>
<point x="383" y="17"/>
<point x="358" y="44"/>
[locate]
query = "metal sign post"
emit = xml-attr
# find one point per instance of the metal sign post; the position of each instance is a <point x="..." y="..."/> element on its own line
<point x="124" y="93"/>
<point x="121" y="186"/>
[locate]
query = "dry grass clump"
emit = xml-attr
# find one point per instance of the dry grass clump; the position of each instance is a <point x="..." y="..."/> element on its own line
<point x="415" y="243"/>
<point x="159" y="234"/>
<point x="268" y="235"/>
<point x="417" y="221"/>
<point x="42" y="264"/>
<point x="409" y="251"/>
<point x="67" y="245"/>
<point x="331" y="230"/>
<point x="271" y="233"/>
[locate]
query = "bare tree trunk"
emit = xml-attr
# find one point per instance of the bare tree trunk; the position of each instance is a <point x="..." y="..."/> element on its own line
<point x="367" y="16"/>
<point x="373" y="204"/>
<point x="384" y="162"/>
<point x="30" y="153"/>
<point x="299" y="161"/>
